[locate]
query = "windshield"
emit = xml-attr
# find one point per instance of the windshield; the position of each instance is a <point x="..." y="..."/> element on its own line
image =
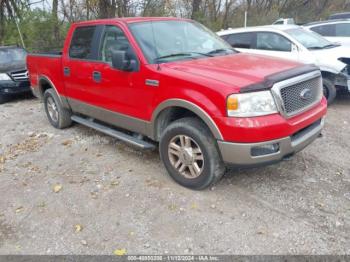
<point x="310" y="40"/>
<point x="12" y="55"/>
<point x="165" y="41"/>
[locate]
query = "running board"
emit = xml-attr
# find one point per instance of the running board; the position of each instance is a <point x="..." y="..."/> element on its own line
<point x="114" y="133"/>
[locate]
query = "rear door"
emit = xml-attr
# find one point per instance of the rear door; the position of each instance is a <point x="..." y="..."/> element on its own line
<point x="78" y="65"/>
<point x="243" y="42"/>
<point x="264" y="43"/>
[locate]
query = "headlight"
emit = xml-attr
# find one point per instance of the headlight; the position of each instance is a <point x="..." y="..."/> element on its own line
<point x="251" y="104"/>
<point x="4" y="77"/>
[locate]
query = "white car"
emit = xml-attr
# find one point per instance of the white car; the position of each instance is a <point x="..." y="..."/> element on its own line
<point x="333" y="30"/>
<point x="284" y="21"/>
<point x="295" y="43"/>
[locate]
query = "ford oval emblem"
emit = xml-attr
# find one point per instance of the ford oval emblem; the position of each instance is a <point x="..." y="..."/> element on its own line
<point x="306" y="94"/>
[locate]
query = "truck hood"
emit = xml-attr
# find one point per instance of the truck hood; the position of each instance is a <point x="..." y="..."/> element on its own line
<point x="237" y="70"/>
<point x="328" y="59"/>
<point x="9" y="67"/>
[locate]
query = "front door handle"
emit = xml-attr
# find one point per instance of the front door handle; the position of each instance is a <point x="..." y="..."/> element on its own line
<point x="66" y="71"/>
<point x="97" y="76"/>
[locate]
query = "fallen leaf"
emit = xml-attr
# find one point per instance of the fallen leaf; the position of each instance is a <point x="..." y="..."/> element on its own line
<point x="172" y="207"/>
<point x="131" y="233"/>
<point x="320" y="205"/>
<point x="120" y="252"/>
<point x="194" y="206"/>
<point x="115" y="183"/>
<point x="2" y="159"/>
<point x="57" y="188"/>
<point x="67" y="143"/>
<point x="261" y="232"/>
<point x="78" y="228"/>
<point x="93" y="195"/>
<point x="19" y="209"/>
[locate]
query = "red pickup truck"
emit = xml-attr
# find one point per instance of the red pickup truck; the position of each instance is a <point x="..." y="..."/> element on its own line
<point x="173" y="82"/>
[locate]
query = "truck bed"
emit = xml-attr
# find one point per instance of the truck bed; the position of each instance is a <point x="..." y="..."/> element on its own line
<point x="46" y="66"/>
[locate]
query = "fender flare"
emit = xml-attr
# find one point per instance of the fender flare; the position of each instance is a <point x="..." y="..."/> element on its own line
<point x="204" y="116"/>
<point x="62" y="99"/>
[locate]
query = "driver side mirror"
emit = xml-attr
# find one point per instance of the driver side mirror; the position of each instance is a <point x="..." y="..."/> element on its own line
<point x="122" y="62"/>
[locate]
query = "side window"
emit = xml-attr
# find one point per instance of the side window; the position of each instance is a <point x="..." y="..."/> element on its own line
<point x="113" y="40"/>
<point x="242" y="40"/>
<point x="325" y="30"/>
<point x="81" y="44"/>
<point x="342" y="30"/>
<point x="272" y="42"/>
<point x="225" y="37"/>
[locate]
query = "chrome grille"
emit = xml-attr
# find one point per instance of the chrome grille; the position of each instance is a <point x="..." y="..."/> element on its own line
<point x="298" y="94"/>
<point x="20" y="75"/>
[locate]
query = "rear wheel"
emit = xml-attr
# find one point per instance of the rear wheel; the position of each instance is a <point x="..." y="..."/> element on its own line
<point x="58" y="116"/>
<point x="190" y="154"/>
<point x="329" y="90"/>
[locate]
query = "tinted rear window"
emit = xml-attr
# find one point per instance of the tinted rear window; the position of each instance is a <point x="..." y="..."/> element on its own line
<point x="325" y="30"/>
<point x="81" y="45"/>
<point x="342" y="30"/>
<point x="241" y="40"/>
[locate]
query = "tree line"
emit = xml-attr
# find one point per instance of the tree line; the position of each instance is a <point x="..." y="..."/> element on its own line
<point x="44" y="23"/>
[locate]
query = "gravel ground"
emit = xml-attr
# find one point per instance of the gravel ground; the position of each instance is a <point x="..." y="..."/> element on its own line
<point x="77" y="191"/>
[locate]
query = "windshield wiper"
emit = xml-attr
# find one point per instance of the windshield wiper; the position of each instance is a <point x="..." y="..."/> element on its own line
<point x="322" y="47"/>
<point x="220" y="50"/>
<point x="190" y="54"/>
<point x="331" y="46"/>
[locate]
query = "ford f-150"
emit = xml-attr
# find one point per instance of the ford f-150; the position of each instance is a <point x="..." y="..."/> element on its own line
<point x="172" y="81"/>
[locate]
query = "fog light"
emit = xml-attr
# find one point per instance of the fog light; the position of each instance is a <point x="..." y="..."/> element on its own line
<point x="265" y="149"/>
<point x="6" y="90"/>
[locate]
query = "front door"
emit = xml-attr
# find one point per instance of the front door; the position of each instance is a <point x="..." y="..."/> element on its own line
<point x="119" y="91"/>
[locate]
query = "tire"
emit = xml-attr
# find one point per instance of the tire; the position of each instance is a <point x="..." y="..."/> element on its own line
<point x="329" y="90"/>
<point x="199" y="141"/>
<point x="3" y="99"/>
<point x="60" y="117"/>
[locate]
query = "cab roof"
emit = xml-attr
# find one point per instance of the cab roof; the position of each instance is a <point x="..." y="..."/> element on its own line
<point x="129" y="20"/>
<point x="333" y="21"/>
<point x="258" y="28"/>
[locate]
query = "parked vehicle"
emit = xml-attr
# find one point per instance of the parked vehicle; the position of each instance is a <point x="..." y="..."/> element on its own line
<point x="284" y="21"/>
<point x="295" y="43"/>
<point x="345" y="15"/>
<point x="172" y="81"/>
<point x="13" y="73"/>
<point x="334" y="30"/>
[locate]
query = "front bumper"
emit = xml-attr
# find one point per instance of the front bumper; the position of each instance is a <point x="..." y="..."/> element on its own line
<point x="10" y="87"/>
<point x="343" y="80"/>
<point x="242" y="154"/>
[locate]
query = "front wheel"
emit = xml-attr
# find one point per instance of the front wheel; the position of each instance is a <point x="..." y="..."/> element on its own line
<point x="190" y="154"/>
<point x="329" y="90"/>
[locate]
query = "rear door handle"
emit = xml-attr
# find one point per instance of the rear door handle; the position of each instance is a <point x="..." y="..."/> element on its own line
<point x="97" y="76"/>
<point x="66" y="71"/>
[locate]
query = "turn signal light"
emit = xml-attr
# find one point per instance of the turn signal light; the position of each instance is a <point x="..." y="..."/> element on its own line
<point x="232" y="103"/>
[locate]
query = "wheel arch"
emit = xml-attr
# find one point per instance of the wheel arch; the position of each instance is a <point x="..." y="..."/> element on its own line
<point x="45" y="83"/>
<point x="173" y="109"/>
<point x="328" y="75"/>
